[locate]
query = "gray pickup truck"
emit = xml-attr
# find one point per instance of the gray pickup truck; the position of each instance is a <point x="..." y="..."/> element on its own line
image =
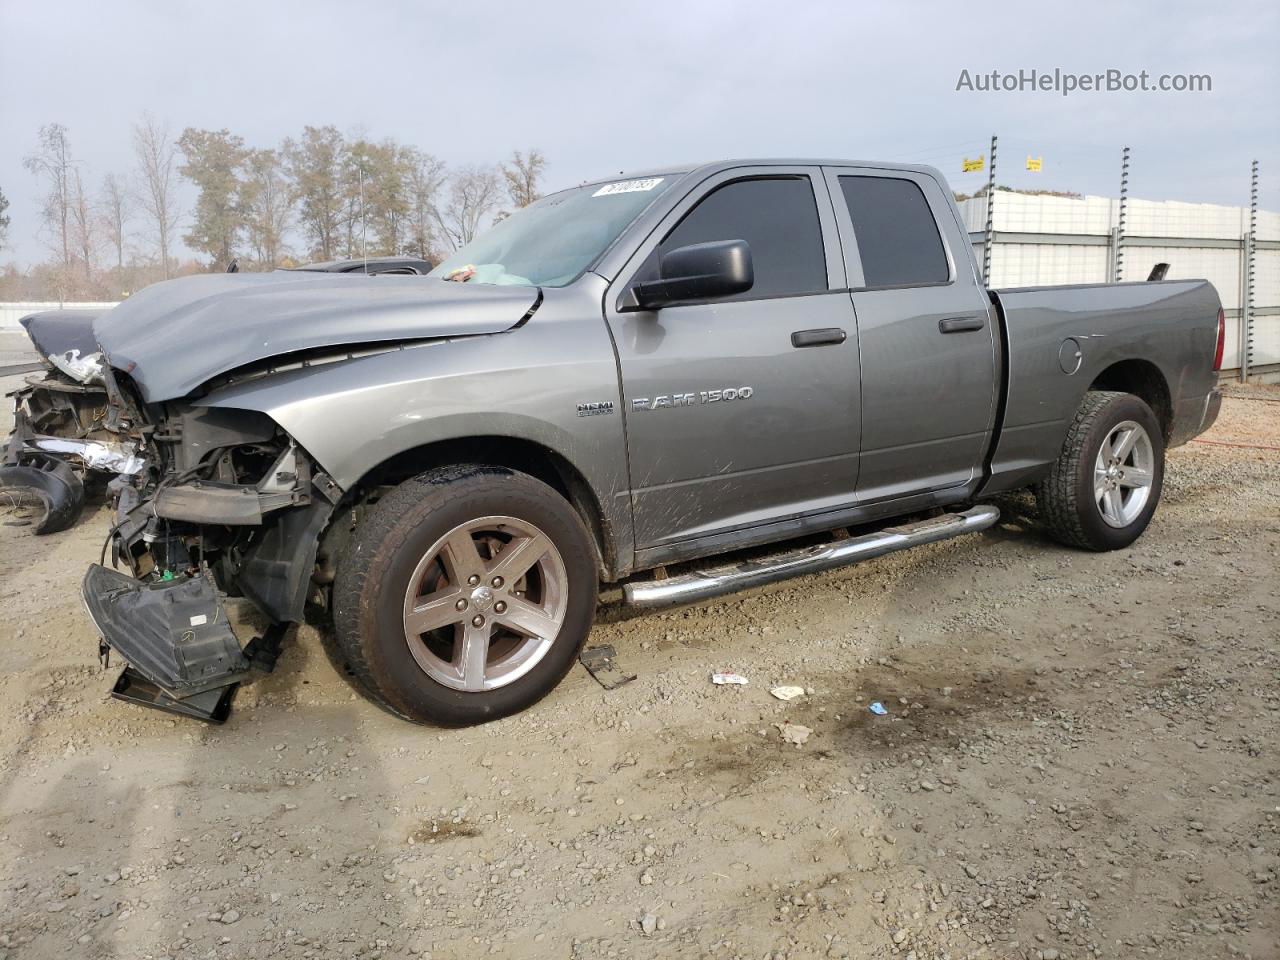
<point x="625" y="376"/>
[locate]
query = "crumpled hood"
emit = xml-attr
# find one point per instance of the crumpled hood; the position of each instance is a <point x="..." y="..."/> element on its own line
<point x="65" y="339"/>
<point x="173" y="336"/>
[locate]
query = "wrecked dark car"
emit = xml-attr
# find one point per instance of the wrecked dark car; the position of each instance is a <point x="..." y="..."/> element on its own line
<point x="68" y="436"/>
<point x="371" y="265"/>
<point x="66" y="431"/>
<point x="623" y="377"/>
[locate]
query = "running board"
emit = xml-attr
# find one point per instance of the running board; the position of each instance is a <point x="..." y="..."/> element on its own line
<point x="715" y="581"/>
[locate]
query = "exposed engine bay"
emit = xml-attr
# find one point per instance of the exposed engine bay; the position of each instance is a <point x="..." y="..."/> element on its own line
<point x="225" y="504"/>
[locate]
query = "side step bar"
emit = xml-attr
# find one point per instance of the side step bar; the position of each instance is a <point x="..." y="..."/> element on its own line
<point x="715" y="581"/>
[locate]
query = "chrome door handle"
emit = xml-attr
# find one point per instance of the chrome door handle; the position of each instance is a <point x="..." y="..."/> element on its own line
<point x="960" y="324"/>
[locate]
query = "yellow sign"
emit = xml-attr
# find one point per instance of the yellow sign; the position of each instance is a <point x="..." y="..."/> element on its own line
<point x="1034" y="163"/>
<point x="970" y="166"/>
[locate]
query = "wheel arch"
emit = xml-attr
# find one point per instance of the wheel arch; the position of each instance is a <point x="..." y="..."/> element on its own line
<point x="515" y="453"/>
<point x="1144" y="380"/>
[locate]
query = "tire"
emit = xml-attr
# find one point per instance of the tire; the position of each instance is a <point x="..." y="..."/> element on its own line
<point x="532" y="626"/>
<point x="1089" y="500"/>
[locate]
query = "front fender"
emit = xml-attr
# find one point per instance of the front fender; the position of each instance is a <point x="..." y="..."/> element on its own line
<point x="527" y="383"/>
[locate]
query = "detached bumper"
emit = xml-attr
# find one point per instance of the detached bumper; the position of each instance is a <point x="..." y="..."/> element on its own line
<point x="183" y="655"/>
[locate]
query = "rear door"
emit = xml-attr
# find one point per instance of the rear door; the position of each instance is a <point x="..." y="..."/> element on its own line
<point x="743" y="410"/>
<point x="925" y="334"/>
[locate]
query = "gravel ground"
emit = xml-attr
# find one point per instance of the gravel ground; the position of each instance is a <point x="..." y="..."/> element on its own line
<point x="1079" y="760"/>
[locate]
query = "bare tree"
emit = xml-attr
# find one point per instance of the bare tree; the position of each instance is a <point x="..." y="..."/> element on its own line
<point x="522" y="175"/>
<point x="157" y="187"/>
<point x="52" y="163"/>
<point x="4" y="220"/>
<point x="425" y="179"/>
<point x="115" y="205"/>
<point x="83" y="227"/>
<point x="473" y="192"/>
<point x="266" y="204"/>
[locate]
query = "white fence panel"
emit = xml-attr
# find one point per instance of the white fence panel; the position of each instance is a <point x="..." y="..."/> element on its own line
<point x="11" y="313"/>
<point x="1046" y="240"/>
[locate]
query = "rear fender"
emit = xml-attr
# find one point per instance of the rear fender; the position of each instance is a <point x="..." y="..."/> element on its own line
<point x="1062" y="339"/>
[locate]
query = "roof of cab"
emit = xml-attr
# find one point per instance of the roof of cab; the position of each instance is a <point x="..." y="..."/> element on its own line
<point x="706" y="168"/>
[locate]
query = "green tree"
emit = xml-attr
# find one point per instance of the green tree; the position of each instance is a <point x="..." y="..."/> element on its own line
<point x="315" y="163"/>
<point x="213" y="162"/>
<point x="523" y="176"/>
<point x="265" y="202"/>
<point x="379" y="196"/>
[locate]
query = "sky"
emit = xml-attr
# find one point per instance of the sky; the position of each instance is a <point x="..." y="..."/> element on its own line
<point x="601" y="88"/>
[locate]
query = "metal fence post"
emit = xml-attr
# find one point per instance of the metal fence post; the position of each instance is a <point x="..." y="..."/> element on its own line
<point x="1250" y="268"/>
<point x="1124" y="207"/>
<point x="991" y="203"/>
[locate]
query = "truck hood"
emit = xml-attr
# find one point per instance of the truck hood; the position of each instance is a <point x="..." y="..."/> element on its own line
<point x="172" y="337"/>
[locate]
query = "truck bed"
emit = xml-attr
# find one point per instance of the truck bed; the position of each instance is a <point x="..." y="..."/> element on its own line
<point x="1165" y="329"/>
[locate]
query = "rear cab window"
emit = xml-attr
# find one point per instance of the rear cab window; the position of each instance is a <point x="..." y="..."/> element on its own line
<point x="898" y="239"/>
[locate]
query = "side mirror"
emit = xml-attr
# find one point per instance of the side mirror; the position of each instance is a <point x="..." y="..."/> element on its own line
<point x="700" y="271"/>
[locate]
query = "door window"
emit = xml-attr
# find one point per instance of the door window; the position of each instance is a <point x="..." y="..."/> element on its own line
<point x="898" y="239"/>
<point x="777" y="216"/>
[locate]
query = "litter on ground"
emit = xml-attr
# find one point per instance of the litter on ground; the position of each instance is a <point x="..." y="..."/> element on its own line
<point x="793" y="733"/>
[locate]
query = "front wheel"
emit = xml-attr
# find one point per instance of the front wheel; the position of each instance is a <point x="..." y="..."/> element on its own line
<point x="465" y="595"/>
<point x="1104" y="487"/>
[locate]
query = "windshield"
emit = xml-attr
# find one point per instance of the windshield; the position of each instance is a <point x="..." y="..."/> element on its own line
<point x="551" y="242"/>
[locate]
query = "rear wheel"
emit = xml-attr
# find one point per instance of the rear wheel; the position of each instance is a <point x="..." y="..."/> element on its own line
<point x="1103" y="490"/>
<point x="465" y="595"/>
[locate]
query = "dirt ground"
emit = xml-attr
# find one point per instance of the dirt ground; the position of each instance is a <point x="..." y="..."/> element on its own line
<point x="1079" y="760"/>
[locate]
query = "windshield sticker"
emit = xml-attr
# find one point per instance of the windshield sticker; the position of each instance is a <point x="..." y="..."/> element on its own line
<point x="627" y="186"/>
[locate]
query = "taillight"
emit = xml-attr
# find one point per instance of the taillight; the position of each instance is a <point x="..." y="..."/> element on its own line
<point x="1222" y="339"/>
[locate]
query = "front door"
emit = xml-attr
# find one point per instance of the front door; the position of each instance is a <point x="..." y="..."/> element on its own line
<point x="743" y="410"/>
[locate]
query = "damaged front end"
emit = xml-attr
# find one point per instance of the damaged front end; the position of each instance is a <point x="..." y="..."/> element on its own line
<point x="227" y="502"/>
<point x="228" y="505"/>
